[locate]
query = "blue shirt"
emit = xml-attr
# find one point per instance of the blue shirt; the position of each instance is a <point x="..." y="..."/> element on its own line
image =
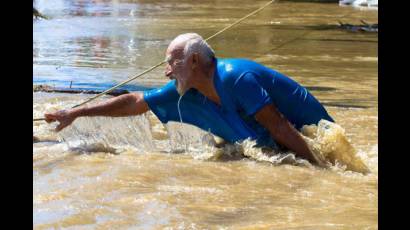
<point x="244" y="87"/>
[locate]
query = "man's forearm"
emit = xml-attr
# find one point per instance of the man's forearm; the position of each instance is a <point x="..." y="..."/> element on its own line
<point x="124" y="105"/>
<point x="283" y="132"/>
<point x="286" y="135"/>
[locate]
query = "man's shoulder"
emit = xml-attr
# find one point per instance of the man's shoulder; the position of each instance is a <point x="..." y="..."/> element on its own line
<point x="166" y="88"/>
<point x="231" y="69"/>
<point x="231" y="64"/>
<point x="237" y="66"/>
<point x="166" y="92"/>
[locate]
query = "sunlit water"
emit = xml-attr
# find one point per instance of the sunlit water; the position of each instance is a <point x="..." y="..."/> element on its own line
<point x="136" y="173"/>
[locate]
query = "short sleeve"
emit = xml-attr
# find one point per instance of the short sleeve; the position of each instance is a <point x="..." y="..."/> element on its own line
<point x="249" y="94"/>
<point x="163" y="101"/>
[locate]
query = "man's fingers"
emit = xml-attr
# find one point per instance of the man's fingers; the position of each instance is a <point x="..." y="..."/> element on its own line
<point x="60" y="116"/>
<point x="50" y="120"/>
<point x="60" y="127"/>
<point x="50" y="117"/>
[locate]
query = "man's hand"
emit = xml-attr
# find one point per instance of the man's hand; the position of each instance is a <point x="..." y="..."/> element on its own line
<point x="65" y="118"/>
<point x="285" y="134"/>
<point x="130" y="104"/>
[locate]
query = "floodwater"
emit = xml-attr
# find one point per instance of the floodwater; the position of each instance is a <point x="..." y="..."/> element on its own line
<point x="135" y="173"/>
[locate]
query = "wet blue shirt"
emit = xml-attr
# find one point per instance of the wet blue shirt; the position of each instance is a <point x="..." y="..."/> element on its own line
<point x="244" y="87"/>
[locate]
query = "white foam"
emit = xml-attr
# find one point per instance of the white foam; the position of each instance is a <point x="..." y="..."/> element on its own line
<point x="328" y="140"/>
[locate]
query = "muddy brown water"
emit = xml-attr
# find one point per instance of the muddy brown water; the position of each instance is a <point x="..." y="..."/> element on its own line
<point x="135" y="173"/>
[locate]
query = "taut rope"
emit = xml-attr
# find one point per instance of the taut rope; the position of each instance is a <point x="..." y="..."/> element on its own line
<point x="162" y="62"/>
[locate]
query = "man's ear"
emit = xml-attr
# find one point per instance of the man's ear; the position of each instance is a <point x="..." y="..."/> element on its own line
<point x="195" y="60"/>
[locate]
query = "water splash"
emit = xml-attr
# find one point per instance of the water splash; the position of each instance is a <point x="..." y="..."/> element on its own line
<point x="145" y="134"/>
<point x="104" y="134"/>
<point x="189" y="139"/>
<point x="202" y="145"/>
<point x="328" y="140"/>
<point x="273" y="156"/>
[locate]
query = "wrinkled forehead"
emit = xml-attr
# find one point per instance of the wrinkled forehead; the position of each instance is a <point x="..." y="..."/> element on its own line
<point x="175" y="50"/>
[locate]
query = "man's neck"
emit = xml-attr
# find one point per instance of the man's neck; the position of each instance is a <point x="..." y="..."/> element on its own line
<point x="205" y="85"/>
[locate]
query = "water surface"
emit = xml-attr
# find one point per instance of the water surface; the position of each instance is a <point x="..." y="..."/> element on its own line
<point x="135" y="173"/>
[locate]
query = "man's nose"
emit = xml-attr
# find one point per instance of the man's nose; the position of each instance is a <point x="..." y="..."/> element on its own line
<point x="168" y="71"/>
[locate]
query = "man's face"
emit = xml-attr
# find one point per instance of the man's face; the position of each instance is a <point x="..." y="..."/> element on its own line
<point x="177" y="69"/>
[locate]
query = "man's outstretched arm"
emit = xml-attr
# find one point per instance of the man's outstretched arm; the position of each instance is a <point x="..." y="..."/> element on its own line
<point x="284" y="133"/>
<point x="125" y="105"/>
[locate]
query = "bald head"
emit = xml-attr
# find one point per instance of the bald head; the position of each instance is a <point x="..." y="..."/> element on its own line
<point x="191" y="43"/>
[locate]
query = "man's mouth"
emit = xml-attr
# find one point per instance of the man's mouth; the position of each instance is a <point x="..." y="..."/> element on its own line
<point x="173" y="77"/>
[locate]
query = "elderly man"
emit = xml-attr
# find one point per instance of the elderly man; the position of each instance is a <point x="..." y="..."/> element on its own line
<point x="234" y="99"/>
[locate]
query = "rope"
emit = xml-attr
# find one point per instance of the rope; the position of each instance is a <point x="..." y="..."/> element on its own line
<point x="162" y="62"/>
